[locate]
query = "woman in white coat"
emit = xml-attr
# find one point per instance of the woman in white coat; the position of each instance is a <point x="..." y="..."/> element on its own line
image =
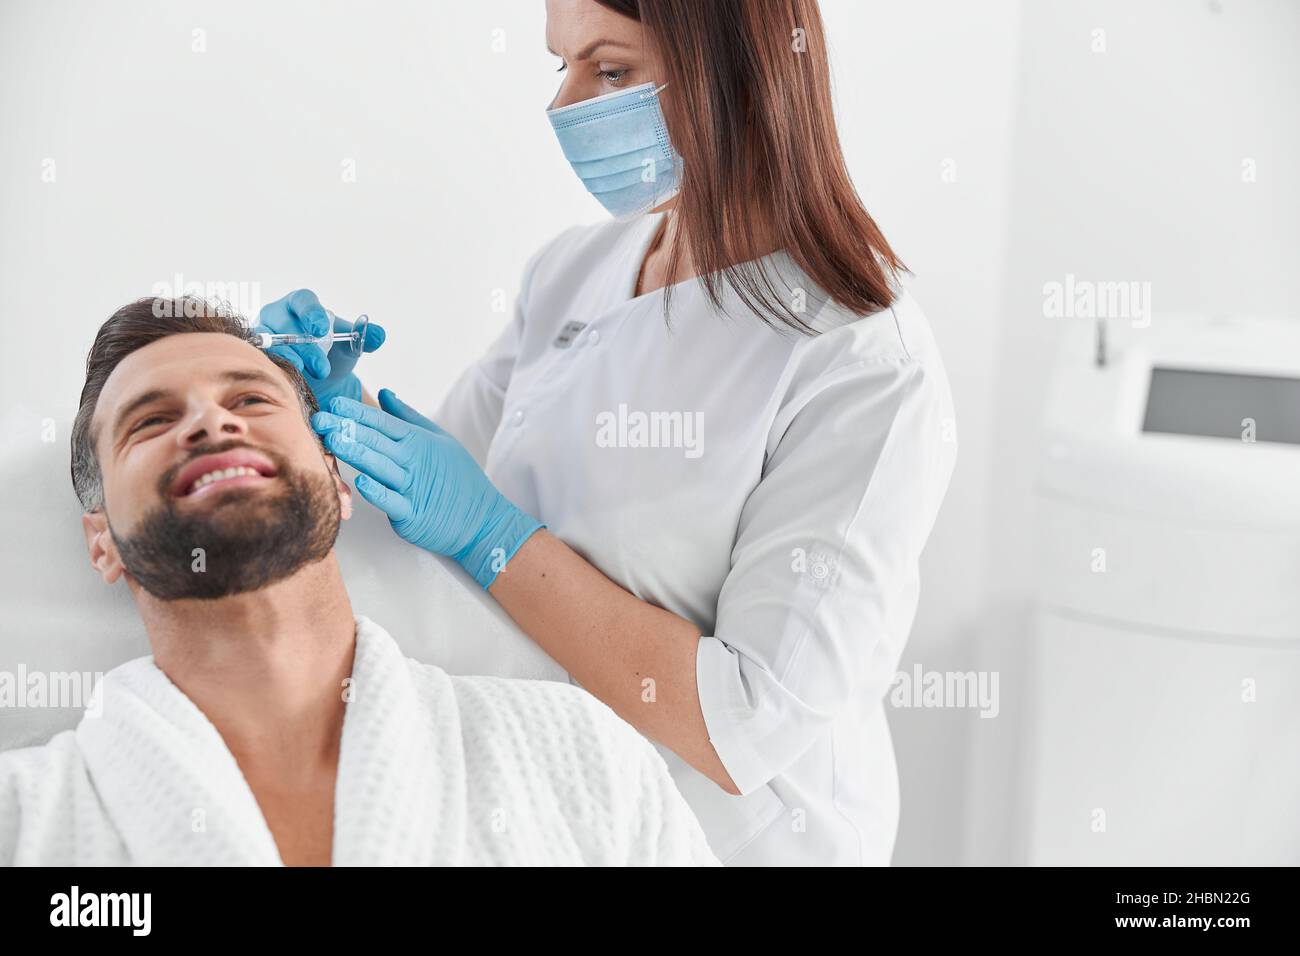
<point x="699" y="466"/>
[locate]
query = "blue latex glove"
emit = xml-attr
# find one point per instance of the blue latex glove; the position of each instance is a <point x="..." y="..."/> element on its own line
<point x="433" y="491"/>
<point x="329" y="374"/>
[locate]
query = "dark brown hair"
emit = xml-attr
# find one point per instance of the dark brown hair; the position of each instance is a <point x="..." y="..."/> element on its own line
<point x="749" y="110"/>
<point x="133" y="327"/>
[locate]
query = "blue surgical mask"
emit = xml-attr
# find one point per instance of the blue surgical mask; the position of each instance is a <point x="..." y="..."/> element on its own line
<point x="618" y="145"/>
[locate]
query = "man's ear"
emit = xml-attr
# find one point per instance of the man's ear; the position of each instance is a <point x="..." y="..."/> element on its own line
<point x="343" y="488"/>
<point x="99" y="543"/>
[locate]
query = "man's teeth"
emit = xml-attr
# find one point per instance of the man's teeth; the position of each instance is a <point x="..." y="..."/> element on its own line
<point x="212" y="476"/>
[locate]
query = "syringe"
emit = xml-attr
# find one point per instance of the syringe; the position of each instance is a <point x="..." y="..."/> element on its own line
<point x="266" y="340"/>
<point x="356" y="336"/>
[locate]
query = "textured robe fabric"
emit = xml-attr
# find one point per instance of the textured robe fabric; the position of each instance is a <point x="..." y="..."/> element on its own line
<point x="434" y="769"/>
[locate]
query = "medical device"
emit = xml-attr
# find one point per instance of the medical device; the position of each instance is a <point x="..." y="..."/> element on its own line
<point x="356" y="337"/>
<point x="1165" y="656"/>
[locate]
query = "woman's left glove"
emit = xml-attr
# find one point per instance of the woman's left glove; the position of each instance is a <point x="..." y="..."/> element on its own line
<point x="433" y="491"/>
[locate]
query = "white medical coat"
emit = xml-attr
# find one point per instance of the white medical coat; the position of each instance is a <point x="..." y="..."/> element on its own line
<point x="782" y="511"/>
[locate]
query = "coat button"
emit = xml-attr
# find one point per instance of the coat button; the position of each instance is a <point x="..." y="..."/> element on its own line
<point x="593" y="337"/>
<point x="518" y="416"/>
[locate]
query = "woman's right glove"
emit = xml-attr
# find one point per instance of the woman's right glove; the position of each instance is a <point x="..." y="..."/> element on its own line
<point x="329" y="375"/>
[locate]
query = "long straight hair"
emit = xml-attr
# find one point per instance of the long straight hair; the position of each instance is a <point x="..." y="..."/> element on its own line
<point x="748" y="108"/>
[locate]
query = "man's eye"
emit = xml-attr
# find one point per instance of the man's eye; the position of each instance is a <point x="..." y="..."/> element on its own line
<point x="252" y="398"/>
<point x="146" y="422"/>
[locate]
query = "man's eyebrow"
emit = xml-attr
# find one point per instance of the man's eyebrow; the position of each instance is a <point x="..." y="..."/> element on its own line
<point x="253" y="375"/>
<point x="157" y="394"/>
<point x="592" y="47"/>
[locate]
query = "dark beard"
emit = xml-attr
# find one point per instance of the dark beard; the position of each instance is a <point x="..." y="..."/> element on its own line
<point x="249" y="540"/>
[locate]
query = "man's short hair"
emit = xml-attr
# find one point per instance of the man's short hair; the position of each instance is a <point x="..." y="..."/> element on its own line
<point x="133" y="327"/>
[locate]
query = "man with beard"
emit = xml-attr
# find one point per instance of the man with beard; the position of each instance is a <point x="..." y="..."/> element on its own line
<point x="272" y="725"/>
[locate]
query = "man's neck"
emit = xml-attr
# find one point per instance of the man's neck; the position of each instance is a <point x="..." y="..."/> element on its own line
<point x="265" y="667"/>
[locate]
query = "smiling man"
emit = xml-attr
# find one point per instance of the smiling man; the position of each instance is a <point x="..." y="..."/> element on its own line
<point x="272" y="725"/>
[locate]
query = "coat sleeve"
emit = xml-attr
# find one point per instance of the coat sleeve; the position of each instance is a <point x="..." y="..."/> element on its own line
<point x="471" y="410"/>
<point x="824" y="573"/>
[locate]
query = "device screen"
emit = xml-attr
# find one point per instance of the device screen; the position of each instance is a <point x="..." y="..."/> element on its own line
<point x="1223" y="405"/>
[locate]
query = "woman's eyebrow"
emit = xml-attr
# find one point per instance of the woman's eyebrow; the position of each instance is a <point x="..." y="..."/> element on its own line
<point x="592" y="47"/>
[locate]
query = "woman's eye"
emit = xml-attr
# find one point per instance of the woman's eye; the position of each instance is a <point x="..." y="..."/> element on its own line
<point x="611" y="76"/>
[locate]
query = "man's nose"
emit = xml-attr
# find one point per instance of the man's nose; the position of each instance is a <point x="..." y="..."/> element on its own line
<point x="211" y="422"/>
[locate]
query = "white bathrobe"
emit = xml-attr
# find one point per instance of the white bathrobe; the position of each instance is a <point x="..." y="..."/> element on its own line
<point x="433" y="770"/>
